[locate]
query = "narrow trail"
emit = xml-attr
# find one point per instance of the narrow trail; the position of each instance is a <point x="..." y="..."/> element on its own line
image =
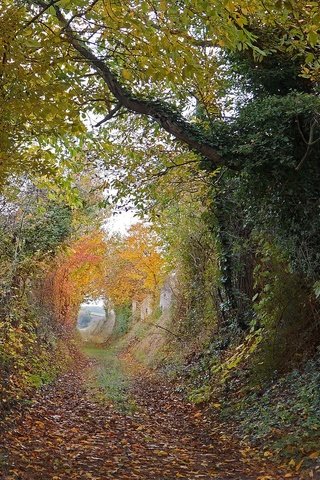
<point x="67" y="434"/>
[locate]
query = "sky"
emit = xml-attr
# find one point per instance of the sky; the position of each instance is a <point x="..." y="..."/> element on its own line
<point x="120" y="222"/>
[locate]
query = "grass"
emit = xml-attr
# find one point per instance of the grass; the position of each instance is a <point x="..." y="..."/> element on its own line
<point x="107" y="380"/>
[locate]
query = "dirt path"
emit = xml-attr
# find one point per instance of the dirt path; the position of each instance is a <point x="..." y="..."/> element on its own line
<point x="69" y="434"/>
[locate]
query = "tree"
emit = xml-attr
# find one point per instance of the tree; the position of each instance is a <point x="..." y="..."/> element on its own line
<point x="141" y="65"/>
<point x="33" y="138"/>
<point x="37" y="223"/>
<point x="79" y="273"/>
<point x="134" y="265"/>
<point x="131" y="65"/>
<point x="33" y="228"/>
<point x="172" y="46"/>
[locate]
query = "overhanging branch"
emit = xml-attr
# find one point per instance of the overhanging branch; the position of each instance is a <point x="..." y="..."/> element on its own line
<point x="164" y="114"/>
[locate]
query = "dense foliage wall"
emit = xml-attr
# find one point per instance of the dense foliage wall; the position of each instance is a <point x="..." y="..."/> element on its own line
<point x="37" y="229"/>
<point x="33" y="228"/>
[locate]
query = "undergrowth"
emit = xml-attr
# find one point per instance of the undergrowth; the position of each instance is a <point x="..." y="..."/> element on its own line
<point x="286" y="415"/>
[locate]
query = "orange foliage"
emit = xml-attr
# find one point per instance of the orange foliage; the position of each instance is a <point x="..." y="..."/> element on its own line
<point x="121" y="269"/>
<point x="134" y="265"/>
<point x="80" y="272"/>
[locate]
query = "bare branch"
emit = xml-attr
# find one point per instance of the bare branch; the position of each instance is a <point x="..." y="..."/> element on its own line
<point x="309" y="143"/>
<point x="166" y="330"/>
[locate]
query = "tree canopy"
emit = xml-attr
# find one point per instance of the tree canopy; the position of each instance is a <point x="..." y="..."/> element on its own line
<point x="72" y="63"/>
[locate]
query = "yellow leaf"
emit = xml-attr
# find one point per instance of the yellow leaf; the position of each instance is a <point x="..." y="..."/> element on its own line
<point x="299" y="465"/>
<point x="161" y="453"/>
<point x="267" y="454"/>
<point x="127" y="74"/>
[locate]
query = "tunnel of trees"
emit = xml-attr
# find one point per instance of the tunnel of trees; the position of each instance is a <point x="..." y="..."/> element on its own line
<point x="203" y="117"/>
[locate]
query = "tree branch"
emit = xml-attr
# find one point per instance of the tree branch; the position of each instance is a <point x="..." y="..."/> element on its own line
<point x="164" y="172"/>
<point x="309" y="143"/>
<point x="166" y="330"/>
<point x="45" y="7"/>
<point x="164" y="114"/>
<point x="110" y="114"/>
<point x="77" y="15"/>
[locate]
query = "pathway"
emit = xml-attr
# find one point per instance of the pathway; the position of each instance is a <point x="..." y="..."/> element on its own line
<point x="68" y="433"/>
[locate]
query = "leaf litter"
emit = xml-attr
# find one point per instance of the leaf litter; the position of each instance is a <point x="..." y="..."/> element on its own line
<point x="67" y="434"/>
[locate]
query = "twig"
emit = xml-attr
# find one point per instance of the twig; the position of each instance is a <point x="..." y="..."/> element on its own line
<point x="110" y="114"/>
<point x="167" y="330"/>
<point x="77" y="15"/>
<point x="44" y="9"/>
<point x="309" y="143"/>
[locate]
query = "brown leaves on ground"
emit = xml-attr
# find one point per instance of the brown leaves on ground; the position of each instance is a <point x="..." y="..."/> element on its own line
<point x="66" y="435"/>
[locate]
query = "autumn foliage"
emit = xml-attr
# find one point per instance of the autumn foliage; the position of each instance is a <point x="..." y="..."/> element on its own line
<point x="118" y="268"/>
<point x="79" y="273"/>
<point x="134" y="265"/>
